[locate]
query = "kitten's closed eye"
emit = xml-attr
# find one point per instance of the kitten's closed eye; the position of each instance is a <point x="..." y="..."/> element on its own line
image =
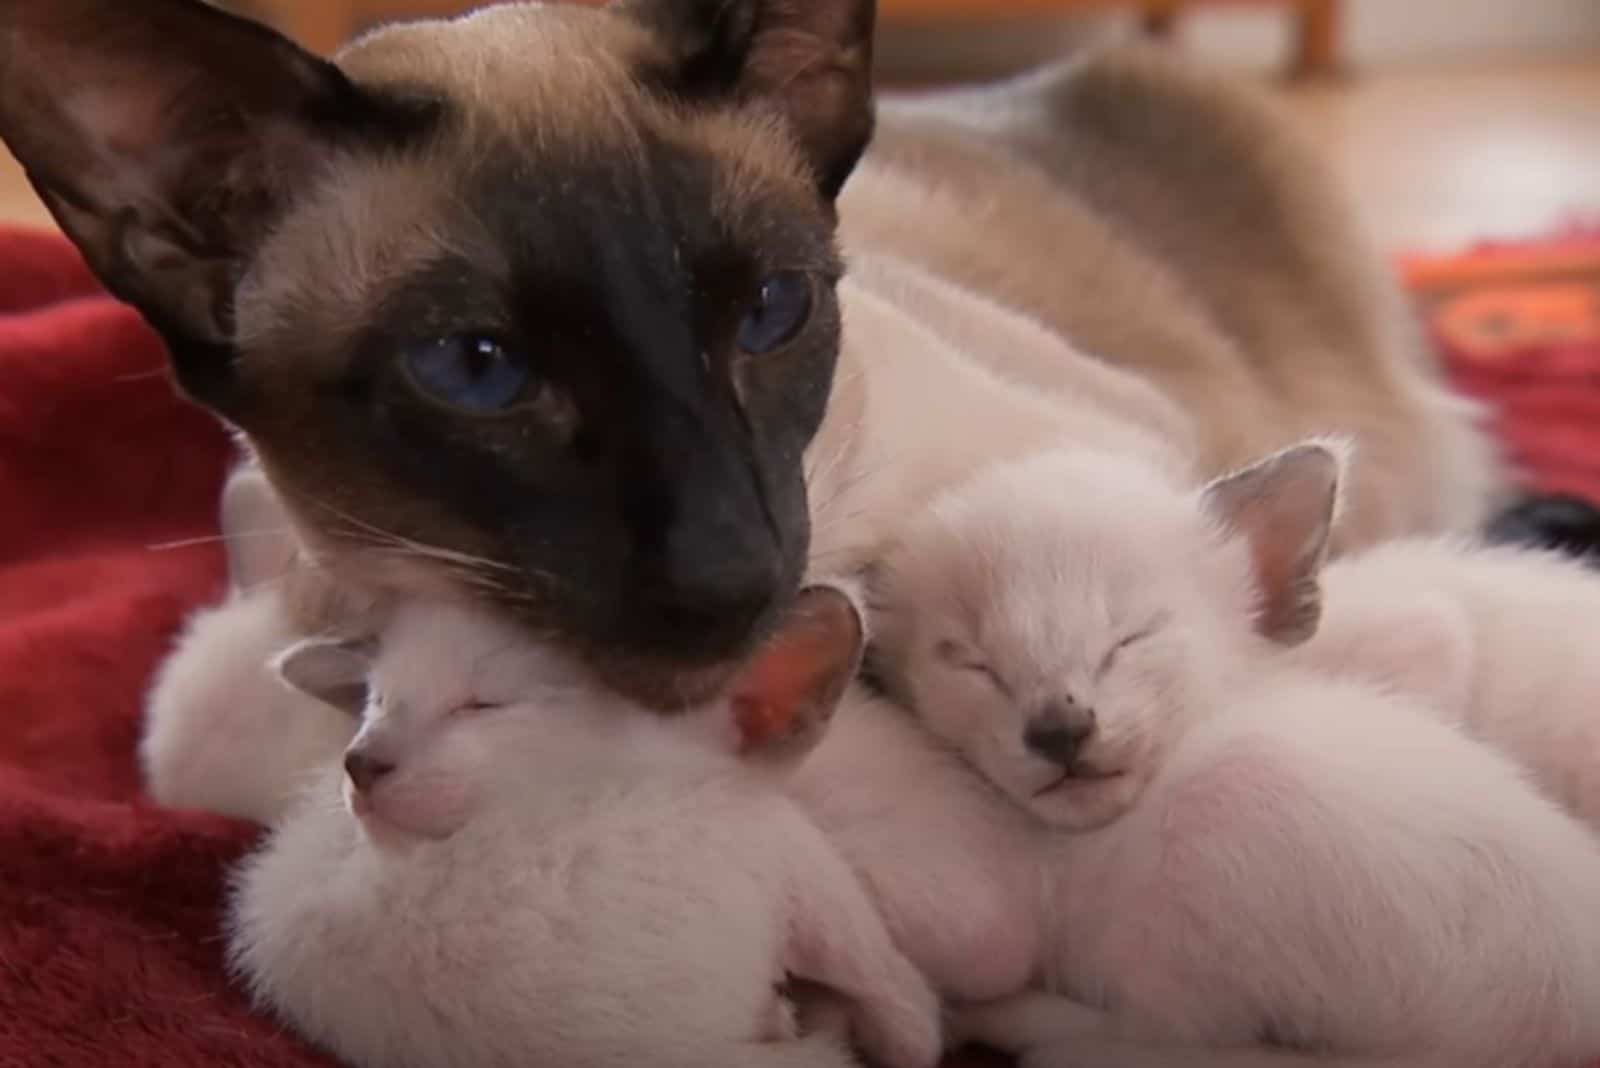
<point x="1143" y="633"/>
<point x="472" y="707"/>
<point x="955" y="655"/>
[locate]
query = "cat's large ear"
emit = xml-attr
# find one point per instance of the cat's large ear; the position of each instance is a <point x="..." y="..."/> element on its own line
<point x="166" y="137"/>
<point x="330" y="670"/>
<point x="811" y="59"/>
<point x="783" y="700"/>
<point x="1284" y="508"/>
<point x="255" y="528"/>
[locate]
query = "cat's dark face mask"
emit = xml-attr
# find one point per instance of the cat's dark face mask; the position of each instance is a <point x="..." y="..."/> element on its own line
<point x="536" y="305"/>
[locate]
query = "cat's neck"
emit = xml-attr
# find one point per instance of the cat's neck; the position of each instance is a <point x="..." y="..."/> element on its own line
<point x="910" y="372"/>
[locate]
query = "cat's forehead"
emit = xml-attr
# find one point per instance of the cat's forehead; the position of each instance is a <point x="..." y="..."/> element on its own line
<point x="1095" y="529"/>
<point x="1051" y="552"/>
<point x="552" y="141"/>
<point x="510" y="62"/>
<point x="435" y="653"/>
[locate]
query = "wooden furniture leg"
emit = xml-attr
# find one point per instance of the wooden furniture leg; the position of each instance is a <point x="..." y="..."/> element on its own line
<point x="1317" y="39"/>
<point x="1160" y="19"/>
<point x="320" y="25"/>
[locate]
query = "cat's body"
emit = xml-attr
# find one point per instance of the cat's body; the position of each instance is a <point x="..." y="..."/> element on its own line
<point x="515" y="867"/>
<point x="1330" y="870"/>
<point x="950" y="864"/>
<point x="1501" y="640"/>
<point x="1170" y="226"/>
<point x="1251" y="855"/>
<point x="543" y="304"/>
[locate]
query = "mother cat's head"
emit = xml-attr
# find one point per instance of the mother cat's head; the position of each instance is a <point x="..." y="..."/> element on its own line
<point x="538" y="302"/>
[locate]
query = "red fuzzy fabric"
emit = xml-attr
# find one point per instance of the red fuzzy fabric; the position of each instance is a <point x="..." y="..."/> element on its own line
<point x="109" y="906"/>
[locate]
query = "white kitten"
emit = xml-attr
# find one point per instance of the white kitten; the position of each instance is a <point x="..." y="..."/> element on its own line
<point x="952" y="865"/>
<point x="1501" y="640"/>
<point x="520" y="868"/>
<point x="222" y="732"/>
<point x="1262" y="856"/>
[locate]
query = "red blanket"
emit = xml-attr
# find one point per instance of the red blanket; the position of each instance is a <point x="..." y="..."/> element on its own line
<point x="109" y="907"/>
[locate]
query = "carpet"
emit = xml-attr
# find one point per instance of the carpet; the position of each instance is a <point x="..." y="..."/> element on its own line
<point x="110" y="906"/>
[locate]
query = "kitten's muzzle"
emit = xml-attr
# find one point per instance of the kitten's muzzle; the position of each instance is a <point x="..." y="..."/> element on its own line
<point x="1059" y="732"/>
<point x="364" y="770"/>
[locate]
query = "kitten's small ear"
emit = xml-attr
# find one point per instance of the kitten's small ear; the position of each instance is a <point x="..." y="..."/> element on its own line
<point x="811" y="59"/>
<point x="1284" y="508"/>
<point x="255" y="528"/>
<point x="166" y="137"/>
<point x="784" y="698"/>
<point x="332" y="671"/>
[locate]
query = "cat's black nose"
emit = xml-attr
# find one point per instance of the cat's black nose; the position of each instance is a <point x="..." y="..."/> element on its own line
<point x="1059" y="732"/>
<point x="364" y="770"/>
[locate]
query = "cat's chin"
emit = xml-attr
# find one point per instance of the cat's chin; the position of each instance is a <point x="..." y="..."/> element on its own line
<point x="387" y="829"/>
<point x="1084" y="801"/>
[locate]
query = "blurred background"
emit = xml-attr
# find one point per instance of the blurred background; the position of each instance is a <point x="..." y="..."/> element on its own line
<point x="1452" y="121"/>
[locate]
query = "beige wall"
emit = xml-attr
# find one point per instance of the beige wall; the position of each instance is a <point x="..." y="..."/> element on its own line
<point x="1405" y="32"/>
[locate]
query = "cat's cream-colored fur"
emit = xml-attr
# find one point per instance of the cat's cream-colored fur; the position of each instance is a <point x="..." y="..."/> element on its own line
<point x="1252" y="855"/>
<point x="548" y="874"/>
<point x="1501" y="640"/>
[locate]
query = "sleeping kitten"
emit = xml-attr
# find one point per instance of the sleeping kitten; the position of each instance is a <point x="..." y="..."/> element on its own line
<point x="516" y="867"/>
<point x="1251" y="855"/>
<point x="1500" y="640"/>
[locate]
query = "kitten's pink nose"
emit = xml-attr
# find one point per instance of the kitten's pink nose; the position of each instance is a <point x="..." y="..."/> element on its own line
<point x="1059" y="732"/>
<point x="364" y="770"/>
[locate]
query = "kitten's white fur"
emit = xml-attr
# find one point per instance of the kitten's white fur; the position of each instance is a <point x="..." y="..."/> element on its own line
<point x="950" y="863"/>
<point x="1501" y="640"/>
<point x="1260" y="850"/>
<point x="221" y="731"/>
<point x="551" y="875"/>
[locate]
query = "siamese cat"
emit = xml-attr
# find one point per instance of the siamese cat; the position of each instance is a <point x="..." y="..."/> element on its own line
<point x="512" y="865"/>
<point x="548" y="305"/>
<point x="1254" y="864"/>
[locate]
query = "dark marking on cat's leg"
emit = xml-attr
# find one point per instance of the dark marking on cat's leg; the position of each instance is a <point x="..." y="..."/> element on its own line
<point x="1564" y="522"/>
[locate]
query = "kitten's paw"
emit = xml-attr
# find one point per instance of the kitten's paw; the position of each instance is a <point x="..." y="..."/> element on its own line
<point x="1090" y="1052"/>
<point x="1025" y="1022"/>
<point x="783" y="1019"/>
<point x="903" y="1032"/>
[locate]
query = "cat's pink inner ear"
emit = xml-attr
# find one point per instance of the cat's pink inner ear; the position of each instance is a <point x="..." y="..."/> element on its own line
<point x="781" y="702"/>
<point x="334" y="672"/>
<point x="1284" y="509"/>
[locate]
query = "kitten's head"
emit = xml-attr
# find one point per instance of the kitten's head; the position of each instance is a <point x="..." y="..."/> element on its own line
<point x="460" y="711"/>
<point x="534" y="305"/>
<point x="1062" y="619"/>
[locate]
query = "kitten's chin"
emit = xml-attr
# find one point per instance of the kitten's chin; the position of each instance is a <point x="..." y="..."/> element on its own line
<point x="1081" y="804"/>
<point x="393" y="826"/>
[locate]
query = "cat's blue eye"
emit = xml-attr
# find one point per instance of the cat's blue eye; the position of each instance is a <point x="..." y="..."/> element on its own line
<point x="781" y="308"/>
<point x="469" y="371"/>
